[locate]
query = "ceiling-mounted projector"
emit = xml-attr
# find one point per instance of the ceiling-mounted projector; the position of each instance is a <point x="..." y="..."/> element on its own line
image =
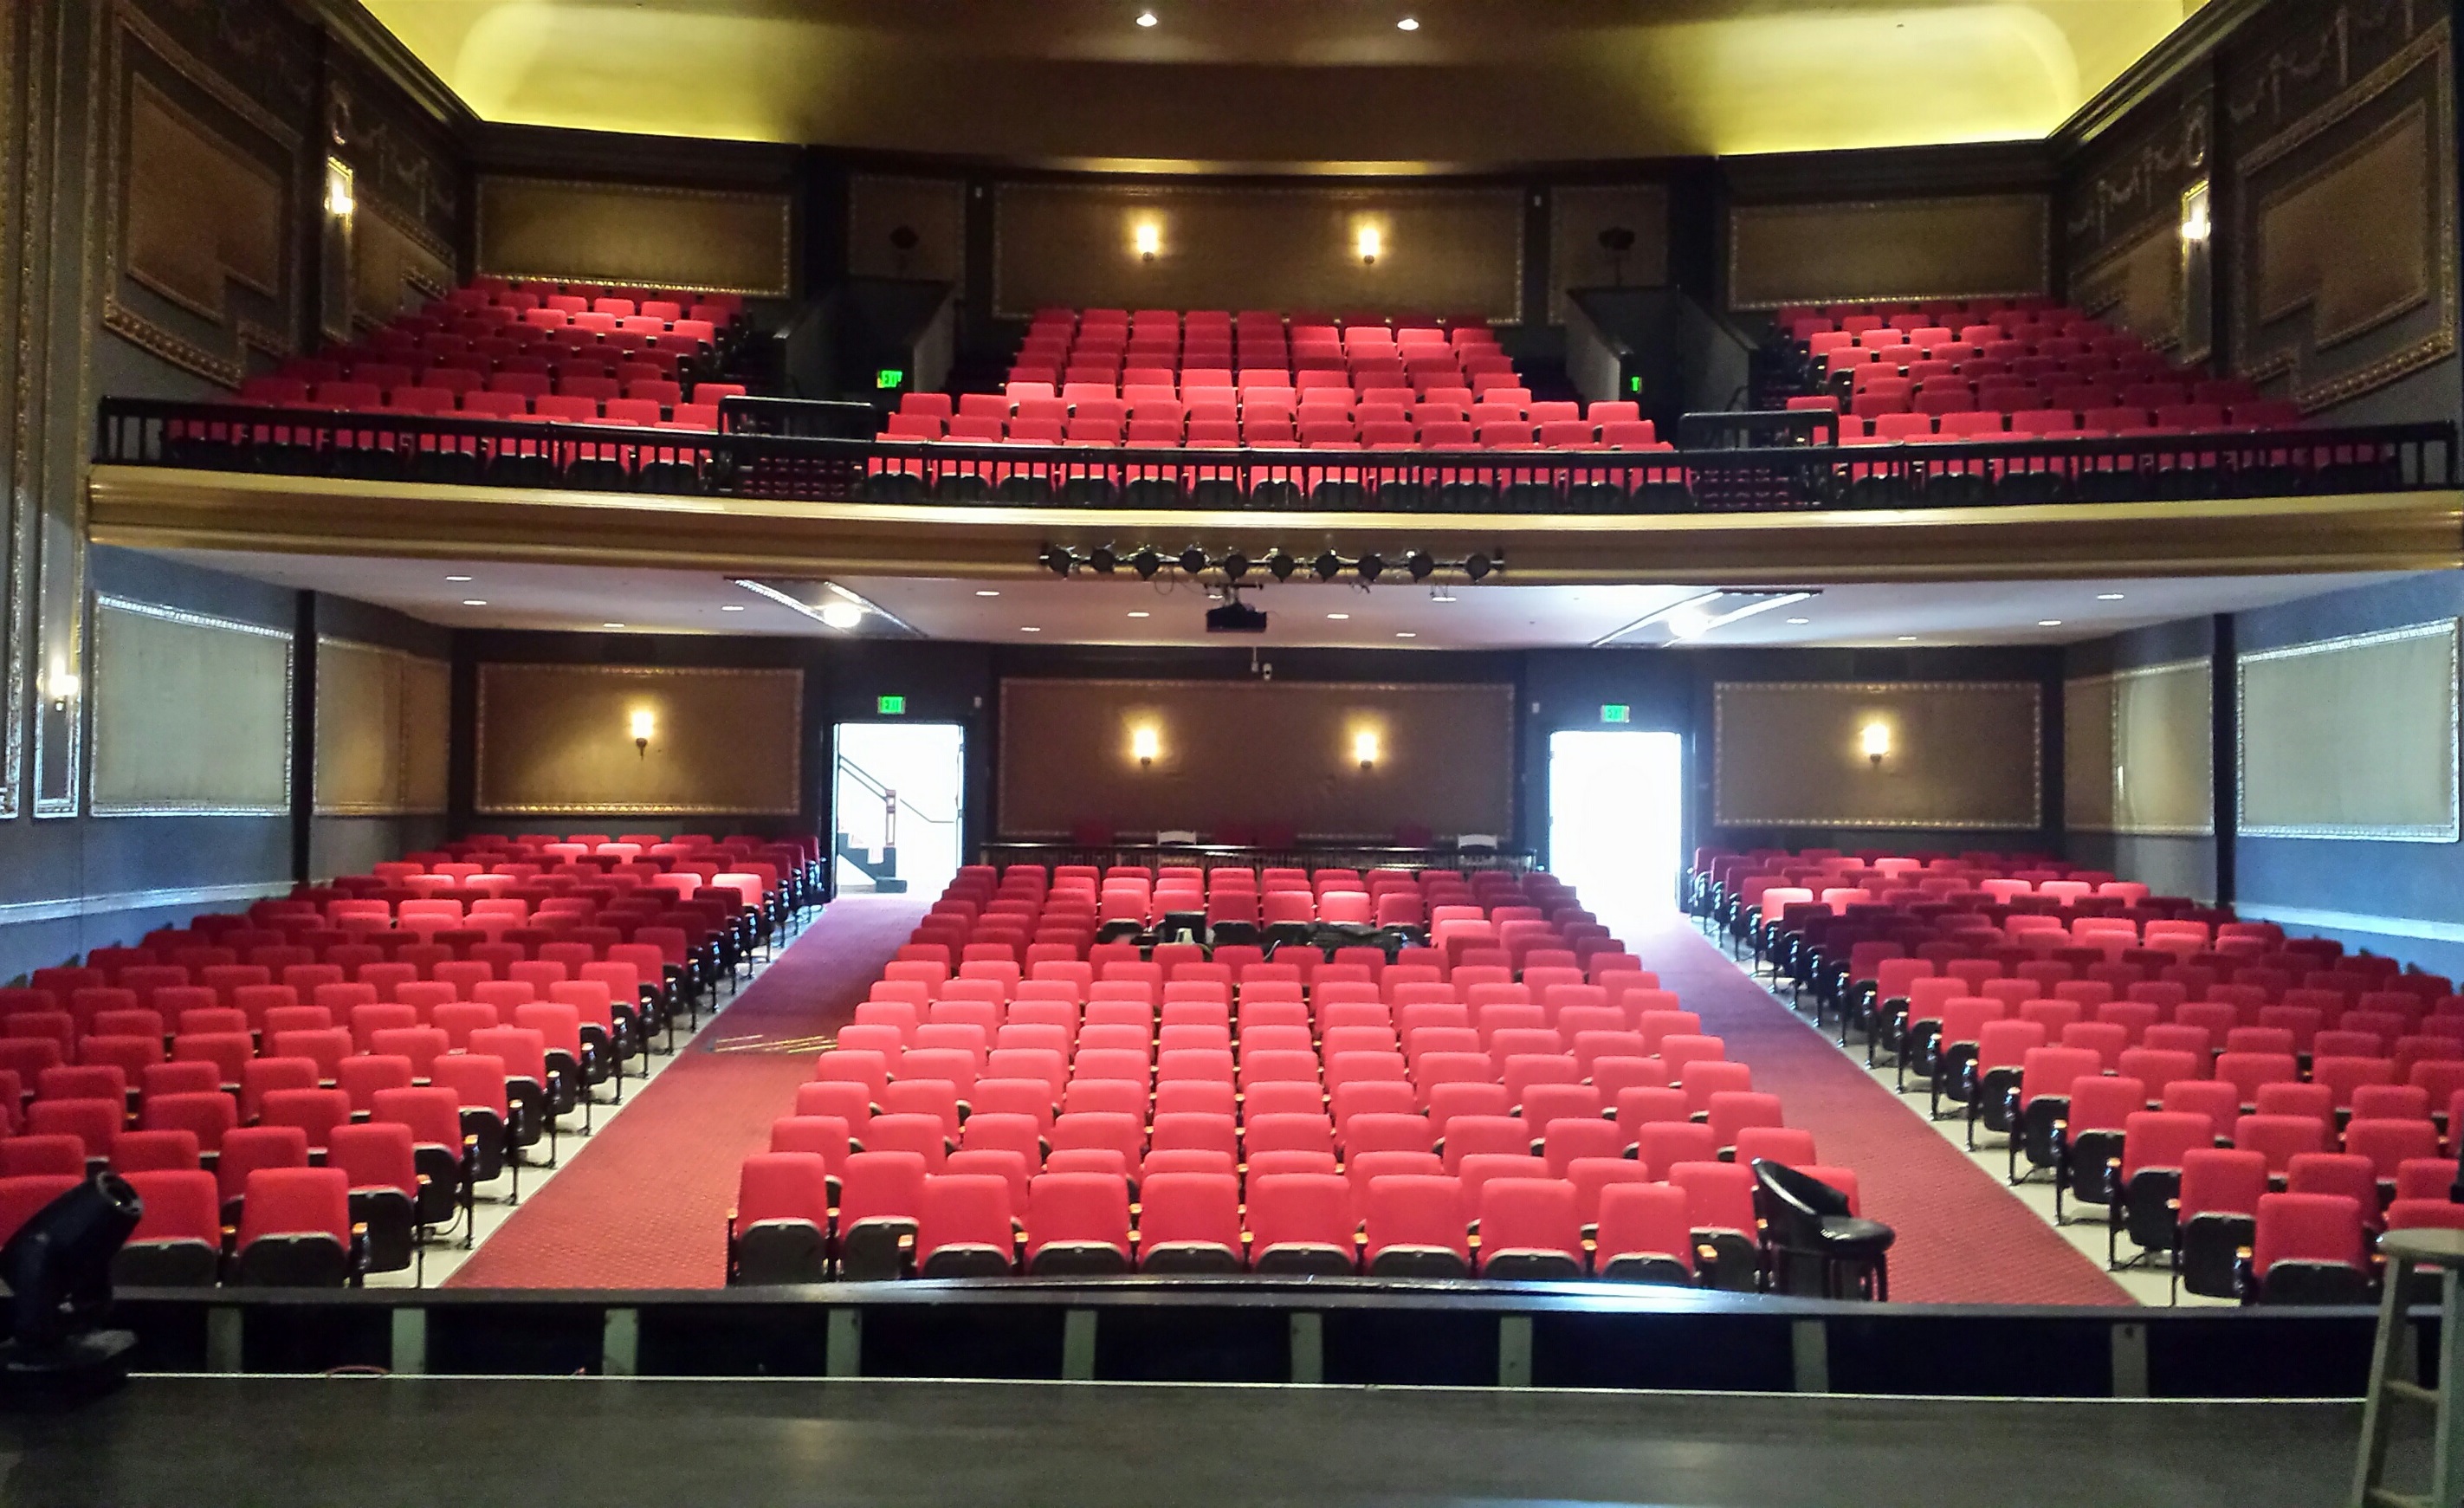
<point x="1235" y="617"/>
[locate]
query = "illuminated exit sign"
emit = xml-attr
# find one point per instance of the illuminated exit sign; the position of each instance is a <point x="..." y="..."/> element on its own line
<point x="1616" y="712"/>
<point x="891" y="706"/>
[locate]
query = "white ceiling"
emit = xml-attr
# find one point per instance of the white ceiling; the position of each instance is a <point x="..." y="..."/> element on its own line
<point x="1093" y="611"/>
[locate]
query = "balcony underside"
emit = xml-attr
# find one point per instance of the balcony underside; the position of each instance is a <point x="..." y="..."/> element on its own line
<point x="163" y="508"/>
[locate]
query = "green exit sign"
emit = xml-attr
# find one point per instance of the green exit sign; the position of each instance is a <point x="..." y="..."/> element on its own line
<point x="888" y="377"/>
<point x="1616" y="712"/>
<point x="1634" y="384"/>
<point x="891" y="706"/>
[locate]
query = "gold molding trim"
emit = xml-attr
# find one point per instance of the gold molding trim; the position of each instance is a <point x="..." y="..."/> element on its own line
<point x="793" y="679"/>
<point x="2204" y="830"/>
<point x="96" y="807"/>
<point x="780" y="201"/>
<point x="161" y="508"/>
<point x="1721" y="818"/>
<point x="2044" y="244"/>
<point x="357" y="808"/>
<point x="2447" y="831"/>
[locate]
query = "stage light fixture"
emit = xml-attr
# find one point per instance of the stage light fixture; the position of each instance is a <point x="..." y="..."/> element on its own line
<point x="1193" y="560"/>
<point x="1327" y="565"/>
<point x="57" y="1269"/>
<point x="1235" y="566"/>
<point x="1056" y="560"/>
<point x="1369" y="567"/>
<point x="1419" y="564"/>
<point x="1145" y="563"/>
<point x="1281" y="565"/>
<point x="1102" y="561"/>
<point x="1478" y="567"/>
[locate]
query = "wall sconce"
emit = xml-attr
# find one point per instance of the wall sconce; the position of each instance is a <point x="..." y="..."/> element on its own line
<point x="1364" y="748"/>
<point x="1144" y="747"/>
<point x="645" y="723"/>
<point x="340" y="201"/>
<point x="1148" y="237"/>
<point x="61" y="686"/>
<point x="1876" y="741"/>
<point x="2196" y="227"/>
<point x="1371" y="243"/>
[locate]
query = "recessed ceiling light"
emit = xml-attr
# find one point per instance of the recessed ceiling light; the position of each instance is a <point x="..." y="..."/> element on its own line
<point x="1146" y="18"/>
<point x="2048" y="623"/>
<point x="733" y="607"/>
<point x="1407" y="24"/>
<point x="986" y="591"/>
<point x="1907" y="638"/>
<point x="1028" y="628"/>
<point x="457" y="578"/>
<point x="1140" y="613"/>
<point x="1337" y="617"/>
<point x="475" y="602"/>
<point x="2108" y="596"/>
<point x="611" y="624"/>
<point x="1800" y="622"/>
<point x="1405" y="633"/>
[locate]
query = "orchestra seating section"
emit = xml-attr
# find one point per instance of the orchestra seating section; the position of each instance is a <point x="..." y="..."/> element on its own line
<point x="571" y="353"/>
<point x="316" y="1088"/>
<point x="1483" y="1083"/>
<point x="1211" y="379"/>
<point x="2245" y="1110"/>
<point x="2005" y="368"/>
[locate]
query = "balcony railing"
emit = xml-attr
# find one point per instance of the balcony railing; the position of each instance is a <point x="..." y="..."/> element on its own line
<point x="780" y="448"/>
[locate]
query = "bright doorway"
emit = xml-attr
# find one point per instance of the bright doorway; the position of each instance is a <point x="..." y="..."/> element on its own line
<point x="897" y="800"/>
<point x="1616" y="818"/>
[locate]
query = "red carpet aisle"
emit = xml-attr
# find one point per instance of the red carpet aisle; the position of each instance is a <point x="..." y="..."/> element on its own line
<point x="644" y="1203"/>
<point x="1962" y="1237"/>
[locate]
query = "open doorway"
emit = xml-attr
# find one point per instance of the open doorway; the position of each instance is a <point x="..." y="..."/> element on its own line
<point x="1616" y="818"/>
<point x="897" y="799"/>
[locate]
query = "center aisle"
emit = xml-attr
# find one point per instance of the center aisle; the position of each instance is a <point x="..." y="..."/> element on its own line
<point x="643" y="1204"/>
<point x="1962" y="1237"/>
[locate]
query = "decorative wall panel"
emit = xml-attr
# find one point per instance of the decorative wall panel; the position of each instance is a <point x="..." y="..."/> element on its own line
<point x="2139" y="751"/>
<point x="1251" y="752"/>
<point x="382" y="731"/>
<point x="611" y="233"/>
<point x="559" y="737"/>
<point x="191" y="713"/>
<point x="1441" y="250"/>
<point x="2138" y="286"/>
<point x="1982" y="246"/>
<point x="2352" y="737"/>
<point x="393" y="267"/>
<point x="1963" y="755"/>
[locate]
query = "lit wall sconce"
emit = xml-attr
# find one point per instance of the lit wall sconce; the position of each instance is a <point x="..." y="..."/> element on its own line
<point x="1148" y="237"/>
<point x="340" y="201"/>
<point x="645" y="723"/>
<point x="1370" y="244"/>
<point x="60" y="687"/>
<point x="2196" y="227"/>
<point x="1876" y="741"/>
<point x="1145" y="746"/>
<point x="1364" y="748"/>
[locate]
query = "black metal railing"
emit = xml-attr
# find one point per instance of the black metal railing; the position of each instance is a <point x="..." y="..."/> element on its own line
<point x="783" y="449"/>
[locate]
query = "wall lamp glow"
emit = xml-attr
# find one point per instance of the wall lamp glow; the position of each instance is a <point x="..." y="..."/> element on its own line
<point x="1148" y="238"/>
<point x="1144" y="747"/>
<point x="1370" y="244"/>
<point x="62" y="687"/>
<point x="1876" y="742"/>
<point x="1364" y="748"/>
<point x="340" y="201"/>
<point x="2196" y="226"/>
<point x="645" y="723"/>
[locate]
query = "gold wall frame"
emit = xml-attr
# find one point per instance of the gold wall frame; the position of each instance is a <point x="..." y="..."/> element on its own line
<point x="2120" y="748"/>
<point x="553" y="739"/>
<point x="694" y="240"/>
<point x="384" y="764"/>
<point x="1782" y="752"/>
<point x="183" y="743"/>
<point x="1970" y="246"/>
<point x="2305" y="753"/>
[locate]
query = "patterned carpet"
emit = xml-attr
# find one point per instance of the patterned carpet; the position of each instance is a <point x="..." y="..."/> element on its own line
<point x="1962" y="1237"/>
<point x="644" y="1203"/>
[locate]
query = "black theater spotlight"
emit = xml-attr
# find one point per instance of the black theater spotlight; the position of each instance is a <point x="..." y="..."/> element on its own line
<point x="1419" y="564"/>
<point x="1235" y="566"/>
<point x="1102" y="561"/>
<point x="57" y="1269"/>
<point x="1193" y="560"/>
<point x="1056" y="559"/>
<point x="1478" y="567"/>
<point x="1145" y="563"/>
<point x="1369" y="567"/>
<point x="1327" y="565"/>
<point x="1281" y="565"/>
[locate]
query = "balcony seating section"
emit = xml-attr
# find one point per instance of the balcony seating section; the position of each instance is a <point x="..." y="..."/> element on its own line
<point x="2109" y="1037"/>
<point x="2013" y="368"/>
<point x="1453" y="1098"/>
<point x="472" y="997"/>
<point x="571" y="353"/>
